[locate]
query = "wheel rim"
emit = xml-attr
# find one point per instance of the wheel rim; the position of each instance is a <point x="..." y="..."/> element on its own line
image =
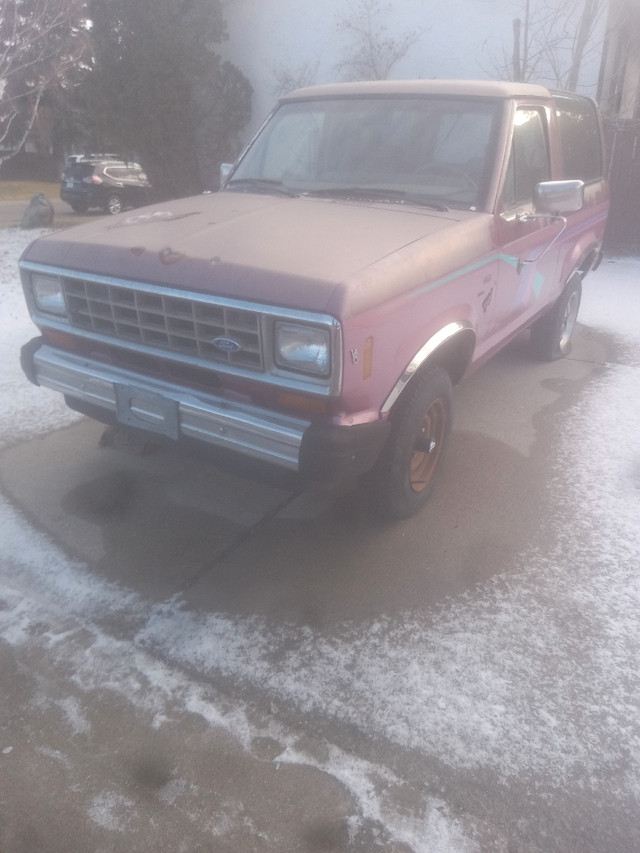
<point x="569" y="319"/>
<point x="427" y="445"/>
<point x="114" y="204"/>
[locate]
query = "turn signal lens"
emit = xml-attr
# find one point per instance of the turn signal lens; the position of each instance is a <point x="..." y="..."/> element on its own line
<point x="302" y="403"/>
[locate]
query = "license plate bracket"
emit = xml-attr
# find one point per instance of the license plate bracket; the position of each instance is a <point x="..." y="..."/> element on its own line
<point x="147" y="410"/>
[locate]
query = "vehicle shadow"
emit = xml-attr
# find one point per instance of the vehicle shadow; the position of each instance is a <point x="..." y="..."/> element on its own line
<point x="166" y="524"/>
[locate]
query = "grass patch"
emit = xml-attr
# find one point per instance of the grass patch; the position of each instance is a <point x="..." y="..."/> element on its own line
<point x="23" y="190"/>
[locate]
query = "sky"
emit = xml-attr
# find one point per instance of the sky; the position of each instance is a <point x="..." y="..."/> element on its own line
<point x="274" y="39"/>
<point x="531" y="676"/>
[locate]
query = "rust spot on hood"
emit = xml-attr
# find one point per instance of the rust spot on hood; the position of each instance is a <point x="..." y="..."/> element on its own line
<point x="170" y="256"/>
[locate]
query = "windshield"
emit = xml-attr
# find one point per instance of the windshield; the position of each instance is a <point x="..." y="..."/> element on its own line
<point x="418" y="149"/>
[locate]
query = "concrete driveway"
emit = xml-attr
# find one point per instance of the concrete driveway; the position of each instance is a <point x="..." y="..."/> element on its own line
<point x="166" y="524"/>
<point x="113" y="740"/>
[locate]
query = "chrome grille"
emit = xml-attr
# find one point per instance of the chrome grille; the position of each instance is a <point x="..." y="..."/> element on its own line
<point x="180" y="324"/>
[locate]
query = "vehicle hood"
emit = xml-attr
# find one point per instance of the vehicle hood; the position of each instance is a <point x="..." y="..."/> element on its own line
<point x="297" y="252"/>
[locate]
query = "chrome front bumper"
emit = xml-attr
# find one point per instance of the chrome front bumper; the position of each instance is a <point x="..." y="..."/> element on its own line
<point x="169" y="410"/>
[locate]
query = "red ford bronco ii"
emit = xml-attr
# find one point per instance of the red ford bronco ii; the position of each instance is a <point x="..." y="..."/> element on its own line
<point x="373" y="244"/>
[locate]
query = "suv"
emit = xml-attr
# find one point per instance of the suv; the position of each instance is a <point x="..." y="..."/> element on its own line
<point x="374" y="243"/>
<point x="103" y="181"/>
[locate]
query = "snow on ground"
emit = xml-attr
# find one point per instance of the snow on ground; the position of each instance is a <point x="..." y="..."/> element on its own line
<point x="611" y="300"/>
<point x="536" y="675"/>
<point x="26" y="411"/>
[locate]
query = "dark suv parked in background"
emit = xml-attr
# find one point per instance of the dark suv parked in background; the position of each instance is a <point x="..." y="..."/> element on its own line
<point x="103" y="182"/>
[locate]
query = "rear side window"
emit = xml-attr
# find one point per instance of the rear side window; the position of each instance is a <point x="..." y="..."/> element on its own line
<point x="118" y="173"/>
<point x="79" y="170"/>
<point x="125" y="173"/>
<point x="579" y="138"/>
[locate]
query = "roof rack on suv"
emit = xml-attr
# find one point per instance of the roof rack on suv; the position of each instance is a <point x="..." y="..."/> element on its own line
<point x="78" y="158"/>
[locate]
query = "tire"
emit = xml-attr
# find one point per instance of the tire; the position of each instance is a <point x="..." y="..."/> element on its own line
<point x="114" y="204"/>
<point x="79" y="206"/>
<point x="404" y="476"/>
<point x="551" y="334"/>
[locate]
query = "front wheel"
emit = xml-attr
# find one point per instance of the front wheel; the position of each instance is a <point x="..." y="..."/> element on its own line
<point x="403" y="478"/>
<point x="551" y="334"/>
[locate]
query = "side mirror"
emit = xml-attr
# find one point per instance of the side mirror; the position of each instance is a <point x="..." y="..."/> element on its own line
<point x="554" y="198"/>
<point x="225" y="171"/>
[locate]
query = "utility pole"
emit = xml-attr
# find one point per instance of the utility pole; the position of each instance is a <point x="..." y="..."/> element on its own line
<point x="584" y="30"/>
<point x="521" y="37"/>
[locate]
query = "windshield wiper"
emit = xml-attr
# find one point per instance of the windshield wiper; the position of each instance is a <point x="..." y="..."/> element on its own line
<point x="378" y="194"/>
<point x="262" y="184"/>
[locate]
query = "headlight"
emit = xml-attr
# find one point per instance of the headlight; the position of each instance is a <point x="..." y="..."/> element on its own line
<point x="47" y="293"/>
<point x="305" y="348"/>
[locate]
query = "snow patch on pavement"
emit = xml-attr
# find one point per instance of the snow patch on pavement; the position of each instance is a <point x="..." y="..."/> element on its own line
<point x="27" y="411"/>
<point x="112" y="811"/>
<point x="611" y="300"/>
<point x="535" y="674"/>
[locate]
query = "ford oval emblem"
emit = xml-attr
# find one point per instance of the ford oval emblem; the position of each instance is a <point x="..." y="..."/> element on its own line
<point x="226" y="344"/>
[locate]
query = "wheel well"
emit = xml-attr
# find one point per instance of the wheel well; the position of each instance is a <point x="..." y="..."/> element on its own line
<point x="454" y="355"/>
<point x="590" y="260"/>
<point x="451" y="349"/>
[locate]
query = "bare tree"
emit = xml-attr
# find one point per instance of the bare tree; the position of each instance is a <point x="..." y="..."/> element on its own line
<point x="288" y="78"/>
<point x="619" y="85"/>
<point x="588" y="20"/>
<point x="40" y="41"/>
<point x="373" y="50"/>
<point x="552" y="39"/>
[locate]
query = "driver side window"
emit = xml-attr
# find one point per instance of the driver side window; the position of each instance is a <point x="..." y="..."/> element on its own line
<point x="529" y="158"/>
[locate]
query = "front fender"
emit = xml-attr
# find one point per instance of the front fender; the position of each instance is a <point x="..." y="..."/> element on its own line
<point x="456" y="340"/>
